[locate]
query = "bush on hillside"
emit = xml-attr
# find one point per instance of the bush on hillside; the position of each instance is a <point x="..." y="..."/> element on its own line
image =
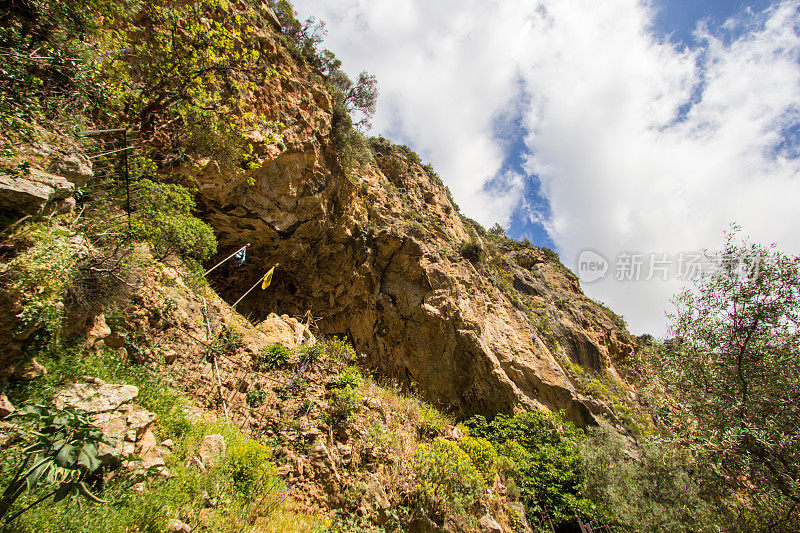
<point x="548" y="473"/>
<point x="271" y="357"/>
<point x="446" y="483"/>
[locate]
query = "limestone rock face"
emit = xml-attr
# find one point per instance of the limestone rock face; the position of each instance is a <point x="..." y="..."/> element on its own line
<point x="96" y="396"/>
<point x="373" y="254"/>
<point x="34" y="194"/>
<point x="127" y="426"/>
<point x="284" y="330"/>
<point x="76" y="168"/>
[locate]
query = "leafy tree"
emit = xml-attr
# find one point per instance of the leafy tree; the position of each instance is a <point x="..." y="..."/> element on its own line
<point x="654" y="486"/>
<point x="192" y="67"/>
<point x="734" y="367"/>
<point x="163" y="217"/>
<point x="497" y="230"/>
<point x="304" y="38"/>
<point x="49" y="61"/>
<point x="350" y="97"/>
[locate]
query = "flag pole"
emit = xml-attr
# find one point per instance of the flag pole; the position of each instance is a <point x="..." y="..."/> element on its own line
<point x="218" y="264"/>
<point x="260" y="280"/>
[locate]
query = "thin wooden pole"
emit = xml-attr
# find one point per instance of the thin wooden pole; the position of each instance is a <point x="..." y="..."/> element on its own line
<point x="214" y="361"/>
<point x="251" y="289"/>
<point x="127" y="174"/>
<point x="218" y="264"/>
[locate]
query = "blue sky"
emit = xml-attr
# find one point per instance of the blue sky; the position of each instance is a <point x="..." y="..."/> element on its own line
<point x="618" y="126"/>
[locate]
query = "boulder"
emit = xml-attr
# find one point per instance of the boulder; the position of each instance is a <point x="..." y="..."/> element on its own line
<point x="76" y="168"/>
<point x="98" y="331"/>
<point x="96" y="396"/>
<point x="34" y="194"/>
<point x="211" y="448"/>
<point x="487" y="524"/>
<point x="284" y="330"/>
<point x="6" y="408"/>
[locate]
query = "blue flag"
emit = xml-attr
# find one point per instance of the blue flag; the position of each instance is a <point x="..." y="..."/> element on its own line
<point x="239" y="256"/>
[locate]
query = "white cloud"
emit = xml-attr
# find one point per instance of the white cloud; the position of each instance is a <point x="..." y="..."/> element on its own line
<point x="602" y="100"/>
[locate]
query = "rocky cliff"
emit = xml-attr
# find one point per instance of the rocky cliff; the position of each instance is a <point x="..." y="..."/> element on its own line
<point x="477" y="322"/>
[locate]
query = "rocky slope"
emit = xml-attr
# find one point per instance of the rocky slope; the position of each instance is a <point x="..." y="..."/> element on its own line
<point x="374" y="254"/>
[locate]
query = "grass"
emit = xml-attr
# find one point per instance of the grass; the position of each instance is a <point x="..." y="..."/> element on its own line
<point x="243" y="485"/>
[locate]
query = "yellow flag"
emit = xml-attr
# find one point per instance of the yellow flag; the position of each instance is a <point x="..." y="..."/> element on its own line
<point x="267" y="278"/>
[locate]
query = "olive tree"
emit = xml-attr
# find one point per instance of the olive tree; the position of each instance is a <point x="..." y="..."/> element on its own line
<point x="734" y="368"/>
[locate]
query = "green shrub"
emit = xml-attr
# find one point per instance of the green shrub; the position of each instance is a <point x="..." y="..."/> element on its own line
<point x="472" y="251"/>
<point x="292" y="388"/>
<point x="342" y="403"/>
<point x="598" y="389"/>
<point x="163" y="217"/>
<point x="40" y="276"/>
<point x="271" y="357"/>
<point x="659" y="488"/>
<point x="246" y="463"/>
<point x="256" y="397"/>
<point x="228" y="340"/>
<point x="65" y="453"/>
<point x="339" y="349"/>
<point x="348" y="378"/>
<point x="445" y="481"/>
<point x="431" y="421"/>
<point x="344" y="396"/>
<point x="482" y="454"/>
<point x="310" y="354"/>
<point x="548" y="474"/>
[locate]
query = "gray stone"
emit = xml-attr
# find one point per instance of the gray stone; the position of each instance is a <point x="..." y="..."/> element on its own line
<point x="211" y="448"/>
<point x="96" y="396"/>
<point x="76" y="168"/>
<point x="32" y="194"/>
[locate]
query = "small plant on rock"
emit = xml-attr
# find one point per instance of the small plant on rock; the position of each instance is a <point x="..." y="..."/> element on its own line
<point x="472" y="251"/>
<point x="272" y="357"/>
<point x="256" y="397"/>
<point x="344" y="396"/>
<point x="228" y="341"/>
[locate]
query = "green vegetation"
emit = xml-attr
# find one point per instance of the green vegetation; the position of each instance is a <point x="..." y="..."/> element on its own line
<point x="242" y="485"/>
<point x="733" y="367"/>
<point x="272" y="357"/>
<point x="446" y="482"/>
<point x="63" y="456"/>
<point x="164" y="219"/>
<point x="256" y="397"/>
<point x="548" y="472"/>
<point x="228" y="341"/>
<point x="39" y="278"/>
<point x="344" y="395"/>
<point x="339" y="349"/>
<point x="472" y="251"/>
